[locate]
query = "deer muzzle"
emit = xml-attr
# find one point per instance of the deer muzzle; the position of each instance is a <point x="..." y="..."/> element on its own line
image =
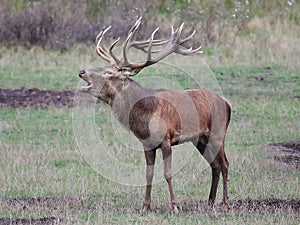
<point x="86" y="88"/>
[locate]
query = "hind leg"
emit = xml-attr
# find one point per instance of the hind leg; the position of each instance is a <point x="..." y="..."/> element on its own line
<point x="224" y="168"/>
<point x="218" y="164"/>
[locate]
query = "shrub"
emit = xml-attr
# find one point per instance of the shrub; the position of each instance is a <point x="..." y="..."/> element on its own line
<point x="61" y="23"/>
<point x="47" y="23"/>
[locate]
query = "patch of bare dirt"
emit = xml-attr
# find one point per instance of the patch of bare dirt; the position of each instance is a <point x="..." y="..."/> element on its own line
<point x="34" y="97"/>
<point x="40" y="221"/>
<point x="291" y="156"/>
<point x="246" y="206"/>
<point x="81" y="204"/>
<point x="44" y="205"/>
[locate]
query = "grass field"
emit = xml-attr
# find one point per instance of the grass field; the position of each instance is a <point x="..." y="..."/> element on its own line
<point x="43" y="175"/>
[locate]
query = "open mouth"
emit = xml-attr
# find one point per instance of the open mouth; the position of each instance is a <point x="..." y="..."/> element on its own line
<point x="87" y="87"/>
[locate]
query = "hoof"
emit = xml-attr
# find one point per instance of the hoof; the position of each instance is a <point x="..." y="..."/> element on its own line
<point x="175" y="209"/>
<point x="225" y="205"/>
<point x="211" y="203"/>
<point x="145" y="208"/>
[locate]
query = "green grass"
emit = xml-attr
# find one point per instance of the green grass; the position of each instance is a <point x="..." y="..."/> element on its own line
<point x="22" y="67"/>
<point x="41" y="159"/>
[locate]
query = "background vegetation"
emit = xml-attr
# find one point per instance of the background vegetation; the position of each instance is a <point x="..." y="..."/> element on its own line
<point x="60" y="24"/>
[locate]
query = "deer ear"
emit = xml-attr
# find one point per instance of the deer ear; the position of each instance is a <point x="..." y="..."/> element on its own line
<point x="131" y="72"/>
<point x="127" y="72"/>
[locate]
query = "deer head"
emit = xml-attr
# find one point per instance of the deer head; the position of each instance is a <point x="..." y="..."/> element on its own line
<point x="106" y="82"/>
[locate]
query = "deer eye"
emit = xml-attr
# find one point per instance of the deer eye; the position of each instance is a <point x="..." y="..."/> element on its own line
<point x="108" y="72"/>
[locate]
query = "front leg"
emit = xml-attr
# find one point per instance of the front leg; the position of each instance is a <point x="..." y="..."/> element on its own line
<point x="150" y="161"/>
<point x="167" y="157"/>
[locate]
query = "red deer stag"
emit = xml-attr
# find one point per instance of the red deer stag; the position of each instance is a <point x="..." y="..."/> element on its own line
<point x="161" y="118"/>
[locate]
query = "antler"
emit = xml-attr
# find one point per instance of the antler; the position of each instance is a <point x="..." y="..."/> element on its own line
<point x="173" y="44"/>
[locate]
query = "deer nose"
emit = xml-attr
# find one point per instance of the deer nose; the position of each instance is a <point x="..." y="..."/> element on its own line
<point x="81" y="73"/>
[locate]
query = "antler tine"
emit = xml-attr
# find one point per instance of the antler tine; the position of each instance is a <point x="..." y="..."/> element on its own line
<point x="189" y="51"/>
<point x="135" y="26"/>
<point x="188" y="37"/>
<point x="179" y="32"/>
<point x="172" y="36"/>
<point x="125" y="48"/>
<point x="101" y="51"/>
<point x="149" y="61"/>
<point x="182" y="41"/>
<point x="155" y="42"/>
<point x="150" y="44"/>
<point x="117" y="61"/>
<point x="143" y="45"/>
<point x="130" y="35"/>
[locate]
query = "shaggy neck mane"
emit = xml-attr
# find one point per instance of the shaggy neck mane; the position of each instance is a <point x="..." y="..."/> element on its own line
<point x="132" y="100"/>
